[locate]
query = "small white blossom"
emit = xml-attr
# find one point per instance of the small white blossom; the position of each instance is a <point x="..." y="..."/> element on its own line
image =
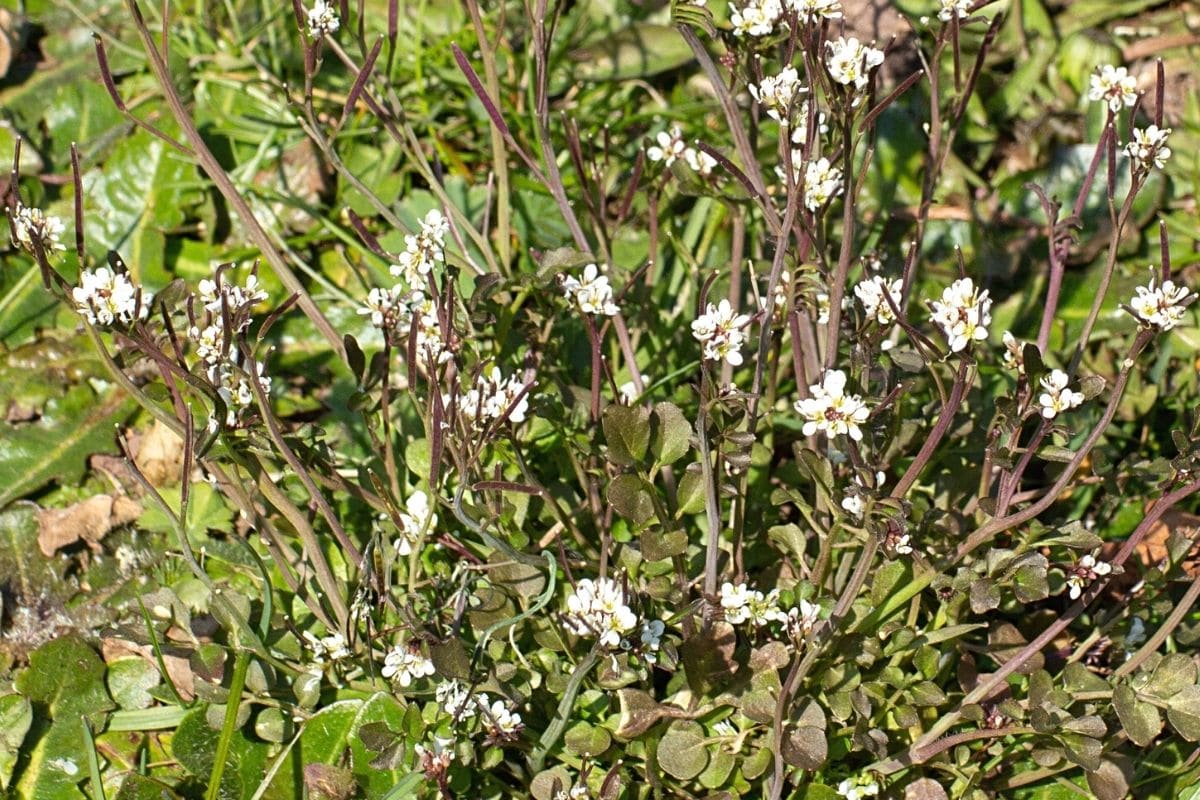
<point x="234" y="387"/>
<point x="670" y="147"/>
<point x="105" y="297"/>
<point x="720" y="331"/>
<point x="422" y="250"/>
<point x="822" y="183"/>
<point x="322" y="19"/>
<point x="579" y="792"/>
<point x="832" y="411"/>
<point x="755" y="18"/>
<point x="220" y="295"/>
<point x="209" y="341"/>
<point x="417" y="518"/>
<point x="1086" y="570"/>
<point x="383" y="306"/>
<point x="742" y="604"/>
<point x="776" y="92"/>
<point x="1149" y="147"/>
<point x="1114" y="85"/>
<point x="593" y="295"/>
<point x="435" y="759"/>
<point x="32" y="225"/>
<point x="329" y="648"/>
<point x="494" y="397"/>
<point x="455" y="699"/>
<point x="873" y="293"/>
<point x="954" y="8"/>
<point x="963" y="314"/>
<point x="1014" y="352"/>
<point x="802" y="619"/>
<point x="502" y="721"/>
<point x="850" y="62"/>
<point x="627" y="393"/>
<point x="858" y="788"/>
<point x="854" y="505"/>
<point x="699" y="161"/>
<point x="823" y="308"/>
<point x="1058" y="397"/>
<point x="598" y="608"/>
<point x="406" y="663"/>
<point x="809" y="11"/>
<point x="1161" y="305"/>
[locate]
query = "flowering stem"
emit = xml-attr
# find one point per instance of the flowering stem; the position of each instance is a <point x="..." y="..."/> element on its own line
<point x="837" y="289"/>
<point x="1109" y="266"/>
<point x="945" y="419"/>
<point x="712" y="502"/>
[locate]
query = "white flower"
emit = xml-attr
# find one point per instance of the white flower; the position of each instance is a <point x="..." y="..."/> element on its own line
<point x="781" y="294"/>
<point x="329" y="648"/>
<point x="831" y="410"/>
<point x="1014" y="352"/>
<point x="32" y="225"/>
<point x="954" y="8"/>
<point x="417" y="518"/>
<point x="802" y="619"/>
<point x="382" y="306"/>
<point x="598" y="608"/>
<point x="209" y="341"/>
<point x="406" y="663"/>
<point x="1057" y="397"/>
<point x="593" y="295"/>
<point x="963" y="314"/>
<point x="800" y="129"/>
<point x="322" y="19"/>
<point x="455" y="700"/>
<point x="579" y="792"/>
<point x="854" y="505"/>
<point x="742" y="604"/>
<point x="699" y="161"/>
<point x="724" y="728"/>
<point x="720" y="333"/>
<point x="220" y="294"/>
<point x="1114" y="85"/>
<point x="776" y="93"/>
<point x="850" y="62"/>
<point x="823" y="309"/>
<point x="808" y="11"/>
<point x="670" y="147"/>
<point x="627" y="393"/>
<point x="822" y="183"/>
<point x="1149" y="147"/>
<point x="1086" y="570"/>
<point x="1161" y="305"/>
<point x="652" y="633"/>
<point x="755" y="18"/>
<point x="857" y="788"/>
<point x="235" y="390"/>
<point x="494" y="397"/>
<point x="422" y="250"/>
<point x="105" y="297"/>
<point x="502" y="721"/>
<point x="735" y="600"/>
<point x="873" y="293"/>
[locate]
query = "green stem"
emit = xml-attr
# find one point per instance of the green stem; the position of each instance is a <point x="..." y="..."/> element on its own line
<point x="240" y="665"/>
<point x="554" y="729"/>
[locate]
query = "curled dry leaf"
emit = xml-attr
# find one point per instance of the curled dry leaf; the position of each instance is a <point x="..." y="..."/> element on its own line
<point x="88" y="521"/>
<point x="160" y="455"/>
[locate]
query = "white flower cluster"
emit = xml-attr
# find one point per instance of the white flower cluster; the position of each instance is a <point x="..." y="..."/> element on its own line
<point x="963" y="314"/>
<point x="755" y="17"/>
<point x="322" y="19"/>
<point x="671" y="146"/>
<point x="1115" y="86"/>
<point x="406" y="663"/>
<point x="802" y="619"/>
<point x="822" y="183"/>
<point x="455" y="700"/>
<point x="499" y="718"/>
<point x="32" y="225"/>
<point x="1149" y="147"/>
<point x="858" y="788"/>
<point x="598" y="608"/>
<point x="1161" y="305"/>
<point x="593" y="294"/>
<point x="853" y="502"/>
<point x="106" y="297"/>
<point x="1086" y="570"/>
<point x="830" y="410"/>
<point x="435" y="759"/>
<point x="954" y="8"/>
<point x="494" y="397"/>
<point x="331" y="648"/>
<point x="576" y="792"/>
<point x="742" y="604"/>
<point x="422" y="250"/>
<point x="776" y="93"/>
<point x="720" y="331"/>
<point x="850" y="62"/>
<point x="224" y="364"/>
<point x="873" y="295"/>
<point x="502" y="721"/>
<point x="809" y="11"/>
<point x="1058" y="397"/>
<point x="417" y="518"/>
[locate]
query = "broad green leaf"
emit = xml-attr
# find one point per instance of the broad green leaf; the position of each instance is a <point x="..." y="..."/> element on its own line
<point x="1174" y="673"/>
<point x="669" y="433"/>
<point x="681" y="752"/>
<point x="67" y="677"/>
<point x="129" y="681"/>
<point x="1139" y="719"/>
<point x="627" y="432"/>
<point x="28" y="573"/>
<point x="1184" y="713"/>
<point x="377" y="708"/>
<point x="56" y="446"/>
<point x="690" y="493"/>
<point x="16" y="715"/>
<point x="630" y="496"/>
